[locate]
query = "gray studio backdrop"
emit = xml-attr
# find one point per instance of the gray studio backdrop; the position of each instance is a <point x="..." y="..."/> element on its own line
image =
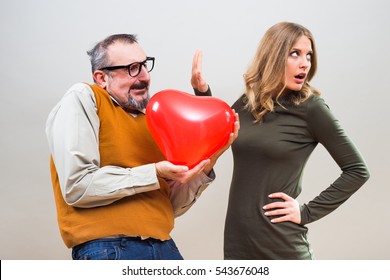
<point x="43" y="47"/>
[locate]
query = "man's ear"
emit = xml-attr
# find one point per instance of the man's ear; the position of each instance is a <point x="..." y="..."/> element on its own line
<point x="100" y="78"/>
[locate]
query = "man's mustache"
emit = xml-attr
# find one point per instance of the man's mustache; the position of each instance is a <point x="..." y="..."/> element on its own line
<point x="140" y="85"/>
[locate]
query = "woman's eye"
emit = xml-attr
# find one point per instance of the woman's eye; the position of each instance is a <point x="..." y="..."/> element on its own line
<point x="309" y="56"/>
<point x="294" y="53"/>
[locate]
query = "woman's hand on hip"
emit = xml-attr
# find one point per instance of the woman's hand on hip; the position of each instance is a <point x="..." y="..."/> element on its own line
<point x="287" y="210"/>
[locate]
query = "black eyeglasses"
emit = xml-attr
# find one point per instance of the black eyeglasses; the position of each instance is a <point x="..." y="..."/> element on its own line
<point x="134" y="68"/>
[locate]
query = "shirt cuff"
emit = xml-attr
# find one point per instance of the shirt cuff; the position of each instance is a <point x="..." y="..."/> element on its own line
<point x="144" y="178"/>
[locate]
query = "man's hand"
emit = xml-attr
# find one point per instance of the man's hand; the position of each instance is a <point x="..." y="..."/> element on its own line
<point x="180" y="173"/>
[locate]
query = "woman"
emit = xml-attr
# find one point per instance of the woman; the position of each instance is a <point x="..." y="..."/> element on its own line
<point x="282" y="119"/>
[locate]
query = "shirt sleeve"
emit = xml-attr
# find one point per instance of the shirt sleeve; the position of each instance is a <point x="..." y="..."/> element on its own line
<point x="72" y="130"/>
<point x="326" y="130"/>
<point x="183" y="196"/>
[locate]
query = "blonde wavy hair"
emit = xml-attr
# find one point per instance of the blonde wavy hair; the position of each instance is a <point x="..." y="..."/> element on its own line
<point x="264" y="77"/>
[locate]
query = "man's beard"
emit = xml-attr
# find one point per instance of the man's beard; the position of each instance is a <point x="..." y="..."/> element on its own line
<point x="133" y="104"/>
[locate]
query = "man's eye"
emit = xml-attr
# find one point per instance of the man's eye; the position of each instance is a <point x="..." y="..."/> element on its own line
<point x="134" y="67"/>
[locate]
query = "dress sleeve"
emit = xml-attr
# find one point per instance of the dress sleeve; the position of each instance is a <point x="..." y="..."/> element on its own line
<point x="326" y="130"/>
<point x="207" y="93"/>
<point x="72" y="130"/>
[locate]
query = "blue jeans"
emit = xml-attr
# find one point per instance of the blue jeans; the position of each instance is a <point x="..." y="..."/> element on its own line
<point x="126" y="248"/>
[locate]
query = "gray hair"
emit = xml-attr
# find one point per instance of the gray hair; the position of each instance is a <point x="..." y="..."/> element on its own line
<point x="98" y="54"/>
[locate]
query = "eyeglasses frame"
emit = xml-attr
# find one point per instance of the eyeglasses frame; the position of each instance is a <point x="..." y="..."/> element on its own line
<point x="143" y="63"/>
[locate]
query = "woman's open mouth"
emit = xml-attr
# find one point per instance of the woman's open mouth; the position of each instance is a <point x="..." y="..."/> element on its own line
<point x="300" y="78"/>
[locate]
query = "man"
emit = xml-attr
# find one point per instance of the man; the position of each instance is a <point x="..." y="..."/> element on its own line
<point x="116" y="195"/>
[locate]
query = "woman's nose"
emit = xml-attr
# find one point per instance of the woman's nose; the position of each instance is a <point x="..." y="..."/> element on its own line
<point x="305" y="62"/>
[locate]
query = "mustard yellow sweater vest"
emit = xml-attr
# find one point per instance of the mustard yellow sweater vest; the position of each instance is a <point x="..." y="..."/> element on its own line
<point x="124" y="141"/>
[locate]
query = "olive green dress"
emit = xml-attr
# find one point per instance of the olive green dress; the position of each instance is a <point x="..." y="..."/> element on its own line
<point x="270" y="157"/>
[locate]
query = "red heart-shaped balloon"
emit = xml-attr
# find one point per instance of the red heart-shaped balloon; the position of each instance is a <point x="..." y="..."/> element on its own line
<point x="188" y="128"/>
